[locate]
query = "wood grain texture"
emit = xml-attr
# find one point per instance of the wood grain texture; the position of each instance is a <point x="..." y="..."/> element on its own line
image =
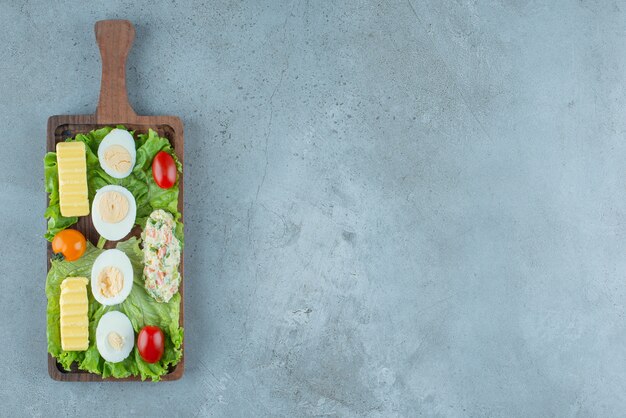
<point x="115" y="38"/>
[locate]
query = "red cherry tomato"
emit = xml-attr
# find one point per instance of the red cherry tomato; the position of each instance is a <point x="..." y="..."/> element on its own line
<point x="164" y="170"/>
<point x="151" y="343"/>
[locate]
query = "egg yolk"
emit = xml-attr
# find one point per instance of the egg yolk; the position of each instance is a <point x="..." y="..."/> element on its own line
<point x="115" y="340"/>
<point x="111" y="281"/>
<point x="113" y="207"/>
<point x="118" y="158"/>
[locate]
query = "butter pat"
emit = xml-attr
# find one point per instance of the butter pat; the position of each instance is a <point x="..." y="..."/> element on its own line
<point x="74" y="322"/>
<point x="72" y="167"/>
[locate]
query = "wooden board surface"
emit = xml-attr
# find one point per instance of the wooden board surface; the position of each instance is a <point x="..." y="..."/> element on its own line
<point x="115" y="38"/>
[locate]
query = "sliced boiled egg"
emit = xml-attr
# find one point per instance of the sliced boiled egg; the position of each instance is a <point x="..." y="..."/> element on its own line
<point x="117" y="153"/>
<point x="115" y="337"/>
<point x="113" y="212"/>
<point x="111" y="277"/>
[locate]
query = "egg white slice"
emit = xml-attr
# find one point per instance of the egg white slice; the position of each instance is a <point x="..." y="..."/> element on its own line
<point x="113" y="231"/>
<point x="124" y="139"/>
<point x="119" y="260"/>
<point x="114" y="322"/>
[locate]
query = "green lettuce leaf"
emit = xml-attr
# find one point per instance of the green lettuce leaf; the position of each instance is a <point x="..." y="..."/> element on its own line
<point x="140" y="308"/>
<point x="56" y="221"/>
<point x="150" y="145"/>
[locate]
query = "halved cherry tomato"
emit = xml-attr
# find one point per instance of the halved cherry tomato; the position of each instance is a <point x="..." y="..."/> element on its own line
<point x="164" y="170"/>
<point x="151" y="343"/>
<point x="70" y="243"/>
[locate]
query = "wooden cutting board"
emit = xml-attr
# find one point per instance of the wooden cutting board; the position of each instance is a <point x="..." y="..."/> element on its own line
<point x="115" y="38"/>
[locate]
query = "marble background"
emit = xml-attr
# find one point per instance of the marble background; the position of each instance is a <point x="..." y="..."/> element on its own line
<point x="394" y="208"/>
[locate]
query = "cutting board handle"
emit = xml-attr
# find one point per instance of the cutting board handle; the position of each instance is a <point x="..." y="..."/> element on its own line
<point x="115" y="38"/>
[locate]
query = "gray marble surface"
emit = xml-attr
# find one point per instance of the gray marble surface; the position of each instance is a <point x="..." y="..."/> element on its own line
<point x="394" y="208"/>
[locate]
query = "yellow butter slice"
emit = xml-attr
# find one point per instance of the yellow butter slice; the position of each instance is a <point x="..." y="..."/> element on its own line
<point x="74" y="307"/>
<point x="72" y="168"/>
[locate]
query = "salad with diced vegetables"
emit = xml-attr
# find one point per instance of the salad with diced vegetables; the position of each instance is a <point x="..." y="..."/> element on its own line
<point x="161" y="256"/>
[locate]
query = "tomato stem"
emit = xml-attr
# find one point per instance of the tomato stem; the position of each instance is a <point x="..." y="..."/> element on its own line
<point x="58" y="257"/>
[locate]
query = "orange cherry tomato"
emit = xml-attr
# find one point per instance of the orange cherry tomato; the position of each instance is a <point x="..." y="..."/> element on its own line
<point x="71" y="243"/>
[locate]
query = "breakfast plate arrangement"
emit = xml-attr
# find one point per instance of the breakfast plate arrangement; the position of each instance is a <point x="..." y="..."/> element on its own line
<point x="114" y="182"/>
